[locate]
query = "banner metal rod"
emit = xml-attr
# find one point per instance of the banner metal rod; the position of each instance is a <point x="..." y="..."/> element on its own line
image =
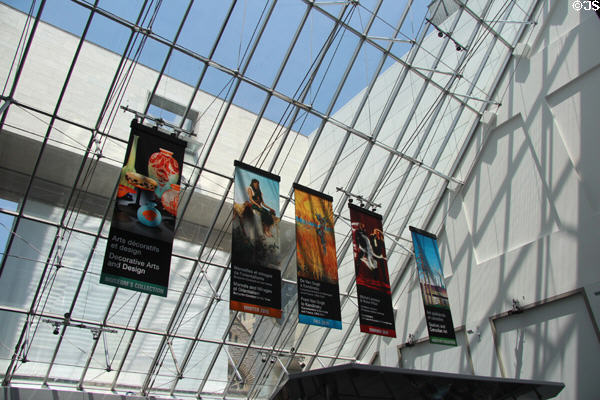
<point x="159" y="121"/>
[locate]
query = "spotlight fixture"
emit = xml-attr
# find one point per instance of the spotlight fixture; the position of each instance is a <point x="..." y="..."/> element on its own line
<point x="440" y="34"/>
<point x="272" y="360"/>
<point x="350" y="200"/>
<point x="263" y="358"/>
<point x="411" y="340"/>
<point x="56" y="331"/>
<point x="458" y="48"/>
<point x="302" y="365"/>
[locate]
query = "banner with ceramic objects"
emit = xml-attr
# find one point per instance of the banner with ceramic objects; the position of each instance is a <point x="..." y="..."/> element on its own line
<point x="433" y="288"/>
<point x="372" y="279"/>
<point x="140" y="240"/>
<point x="316" y="262"/>
<point x="255" y="255"/>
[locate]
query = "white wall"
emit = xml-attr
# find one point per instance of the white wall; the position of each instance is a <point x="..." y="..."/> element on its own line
<point x="524" y="225"/>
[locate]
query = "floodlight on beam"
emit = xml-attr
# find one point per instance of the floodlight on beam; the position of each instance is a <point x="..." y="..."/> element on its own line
<point x="96" y="330"/>
<point x="442" y="33"/>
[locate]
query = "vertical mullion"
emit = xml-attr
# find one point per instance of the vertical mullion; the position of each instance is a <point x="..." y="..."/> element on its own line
<point x="21" y="65"/>
<point x="366" y="152"/>
<point x="400" y="276"/>
<point x="210" y="56"/>
<point x="253" y="130"/>
<point x="38" y="161"/>
<point x="326" y="46"/>
<point x="229" y="102"/>
<point x="105" y="105"/>
<point x="168" y="57"/>
<point x="93" y="10"/>
<point x="330" y="109"/>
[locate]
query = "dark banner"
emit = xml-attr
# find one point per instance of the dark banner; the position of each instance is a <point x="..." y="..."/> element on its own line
<point x="255" y="259"/>
<point x="140" y="241"/>
<point x="433" y="289"/>
<point x="318" y="289"/>
<point x="372" y="279"/>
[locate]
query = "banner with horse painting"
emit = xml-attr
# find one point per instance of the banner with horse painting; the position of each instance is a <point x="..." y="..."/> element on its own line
<point x="255" y="255"/>
<point x="140" y="240"/>
<point x="433" y="288"/>
<point x="372" y="279"/>
<point x="318" y="289"/>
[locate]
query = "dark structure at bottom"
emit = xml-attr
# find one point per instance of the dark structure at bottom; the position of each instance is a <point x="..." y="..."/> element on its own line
<point x="358" y="381"/>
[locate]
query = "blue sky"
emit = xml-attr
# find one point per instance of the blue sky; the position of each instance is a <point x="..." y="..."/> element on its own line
<point x="201" y="29"/>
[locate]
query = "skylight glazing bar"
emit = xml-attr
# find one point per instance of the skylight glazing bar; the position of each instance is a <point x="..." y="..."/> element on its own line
<point x="408" y="121"/>
<point x="134" y="332"/>
<point x="72" y="192"/>
<point x="386" y="109"/>
<point x="336" y="28"/>
<point x="483" y="23"/>
<point x="400" y="276"/>
<point x="95" y="345"/>
<point x="33" y="175"/>
<point x="395" y="40"/>
<point x="205" y="65"/>
<point x="262" y="28"/>
<point x="387" y="52"/>
<point x="421" y="143"/>
<point x="357" y="113"/>
<point x="317" y="65"/>
<point x="110" y="304"/>
<point x="252" y="133"/>
<point x="506" y="21"/>
<point x="168" y="56"/>
<point x="258" y="85"/>
<point x="364" y="100"/>
<point x="19" y="70"/>
<point x="182" y="296"/>
<point x="125" y="328"/>
<point x="317" y="135"/>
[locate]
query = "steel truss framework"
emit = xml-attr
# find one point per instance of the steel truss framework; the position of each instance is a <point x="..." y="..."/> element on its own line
<point x="418" y="161"/>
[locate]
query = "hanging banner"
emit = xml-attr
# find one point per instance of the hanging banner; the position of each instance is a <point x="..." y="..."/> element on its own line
<point x="318" y="289"/>
<point x="255" y="260"/>
<point x="372" y="280"/>
<point x="433" y="289"/>
<point x="140" y="240"/>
